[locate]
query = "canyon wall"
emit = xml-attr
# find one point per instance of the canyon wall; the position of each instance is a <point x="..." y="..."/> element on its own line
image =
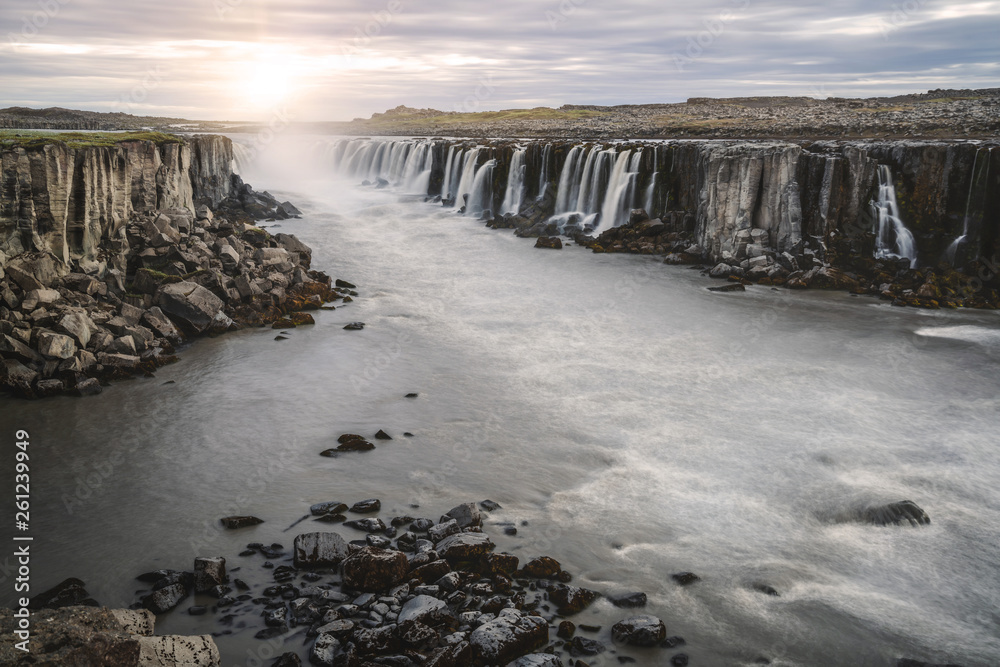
<point x="73" y="203"/>
<point x="827" y="194"/>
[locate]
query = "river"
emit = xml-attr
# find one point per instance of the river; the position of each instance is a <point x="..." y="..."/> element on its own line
<point x="639" y="424"/>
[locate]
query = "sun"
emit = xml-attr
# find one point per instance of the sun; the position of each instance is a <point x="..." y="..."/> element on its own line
<point x="266" y="83"/>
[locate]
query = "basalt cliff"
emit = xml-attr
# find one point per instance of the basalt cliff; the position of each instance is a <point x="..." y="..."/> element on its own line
<point x="113" y="254"/>
<point x="914" y="221"/>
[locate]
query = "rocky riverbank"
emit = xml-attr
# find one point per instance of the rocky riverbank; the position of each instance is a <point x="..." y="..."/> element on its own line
<point x="405" y="591"/>
<point x="108" y="264"/>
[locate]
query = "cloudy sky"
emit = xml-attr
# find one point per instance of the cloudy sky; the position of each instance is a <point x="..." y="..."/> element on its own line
<point x="338" y="59"/>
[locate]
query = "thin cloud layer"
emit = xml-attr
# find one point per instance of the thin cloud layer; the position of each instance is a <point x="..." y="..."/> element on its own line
<point x="241" y="59"/>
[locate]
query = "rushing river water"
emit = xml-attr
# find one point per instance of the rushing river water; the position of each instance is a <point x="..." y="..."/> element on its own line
<point x="638" y="423"/>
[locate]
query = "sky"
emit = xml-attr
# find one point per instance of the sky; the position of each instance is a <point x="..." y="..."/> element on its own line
<point x="314" y="60"/>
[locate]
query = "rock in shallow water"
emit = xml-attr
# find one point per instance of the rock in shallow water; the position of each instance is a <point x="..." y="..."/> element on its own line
<point x="639" y="631"/>
<point x="234" y="522"/>
<point x="508" y="637"/>
<point x="374" y="570"/>
<point x="320" y="550"/>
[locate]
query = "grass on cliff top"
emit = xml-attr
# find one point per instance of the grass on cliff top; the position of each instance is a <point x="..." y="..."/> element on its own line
<point x="540" y="113"/>
<point x="29" y="139"/>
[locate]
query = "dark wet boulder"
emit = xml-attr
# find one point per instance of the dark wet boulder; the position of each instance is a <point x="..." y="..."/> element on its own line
<point x="165" y="599"/>
<point x="332" y="507"/>
<point x="374" y="570"/>
<point x="382" y="435"/>
<point x="287" y="660"/>
<point x="550" y="242"/>
<point x="375" y="641"/>
<point x="902" y="513"/>
<point x="466" y="515"/>
<point x="571" y="599"/>
<point x="685" y="578"/>
<point x="367" y="506"/>
<point x="427" y="610"/>
<point x="628" y="600"/>
<point x="465" y="546"/>
<point x="639" y="631"/>
<point x="373" y="525"/>
<point x="502" y="563"/>
<point x="320" y="550"/>
<point x="566" y="630"/>
<point x="456" y="655"/>
<point x="542" y="567"/>
<point x="431" y="571"/>
<point x="324" y="651"/>
<point x="209" y="573"/>
<point x="443" y="530"/>
<point x="350" y="442"/>
<point x="731" y="287"/>
<point x="537" y="660"/>
<point x="67" y="593"/>
<point x="583" y="646"/>
<point x="508" y="637"/>
<point x="490" y="506"/>
<point x="234" y="522"/>
<point x="355" y="326"/>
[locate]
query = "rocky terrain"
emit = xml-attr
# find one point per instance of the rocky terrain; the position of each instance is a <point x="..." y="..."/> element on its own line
<point x="107" y="264"/>
<point x="936" y="114"/>
<point x="939" y="114"/>
<point x="409" y="591"/>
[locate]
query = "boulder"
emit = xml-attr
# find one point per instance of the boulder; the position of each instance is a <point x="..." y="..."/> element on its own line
<point x="12" y="348"/>
<point x="324" y="650"/>
<point x="425" y="609"/>
<point x="508" y="637"/>
<point x="78" y="324"/>
<point x="571" y="599"/>
<point x="320" y="550"/>
<point x="465" y="546"/>
<point x="197" y="651"/>
<point x="14" y="373"/>
<point x="234" y="522"/>
<point x="628" y="600"/>
<point x="902" y="513"/>
<point x="542" y="567"/>
<point x="550" y="242"/>
<point x="374" y="570"/>
<point x="165" y="598"/>
<point x="39" y="297"/>
<point x="209" y="573"/>
<point x="537" y="660"/>
<point x="271" y="256"/>
<point x="639" y="631"/>
<point x="190" y="303"/>
<point x="466" y="515"/>
<point x="156" y="320"/>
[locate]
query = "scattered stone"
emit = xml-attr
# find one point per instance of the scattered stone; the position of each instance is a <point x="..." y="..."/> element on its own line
<point x="490" y="506"/>
<point x="731" y="287"/>
<point x="583" y="646"/>
<point x="333" y="507"/>
<point x="465" y="546"/>
<point x="542" y="568"/>
<point x="571" y="599"/>
<point x="355" y="326"/>
<point x="209" y="573"/>
<point x="234" y="522"/>
<point x="685" y="578"/>
<point x="639" y="631"/>
<point x="902" y="513"/>
<point x="628" y="600"/>
<point x="382" y="435"/>
<point x="374" y="570"/>
<point x="367" y="506"/>
<point x="320" y="550"/>
<point x="165" y="599"/>
<point x="508" y="637"/>
<point x="553" y="243"/>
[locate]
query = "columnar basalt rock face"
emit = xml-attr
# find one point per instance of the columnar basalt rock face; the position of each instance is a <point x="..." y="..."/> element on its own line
<point x="75" y="202"/>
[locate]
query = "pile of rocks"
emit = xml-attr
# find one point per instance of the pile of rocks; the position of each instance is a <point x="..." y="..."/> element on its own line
<point x="808" y="264"/>
<point x="177" y="274"/>
<point x="67" y="627"/>
<point x="413" y="592"/>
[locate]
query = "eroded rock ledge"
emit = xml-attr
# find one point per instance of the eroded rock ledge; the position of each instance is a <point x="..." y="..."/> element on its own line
<point x="111" y="257"/>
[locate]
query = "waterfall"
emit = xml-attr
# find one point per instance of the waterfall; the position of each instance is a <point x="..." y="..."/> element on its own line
<point x="481" y="196"/>
<point x="446" y="185"/>
<point x="468" y="176"/>
<point x="587" y="189"/>
<point x="651" y="193"/>
<point x="894" y="239"/>
<point x="515" y="184"/>
<point x="620" y="191"/>
<point x="543" y="175"/>
<point x="952" y="252"/>
<point x="242" y="157"/>
<point x="568" y="176"/>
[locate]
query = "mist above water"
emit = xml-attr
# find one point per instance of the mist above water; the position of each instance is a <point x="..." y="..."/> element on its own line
<point x="638" y="423"/>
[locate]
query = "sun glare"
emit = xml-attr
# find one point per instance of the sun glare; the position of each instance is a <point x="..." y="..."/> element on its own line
<point x="266" y="83"/>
